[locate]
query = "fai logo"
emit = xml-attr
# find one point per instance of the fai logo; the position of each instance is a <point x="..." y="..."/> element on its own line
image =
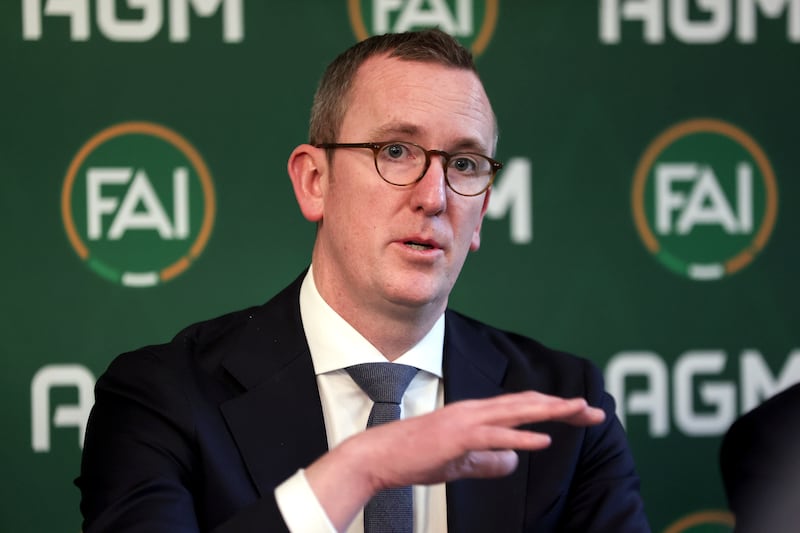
<point x="704" y="199"/>
<point x="138" y="204"/>
<point x="712" y="521"/>
<point x="470" y="21"/>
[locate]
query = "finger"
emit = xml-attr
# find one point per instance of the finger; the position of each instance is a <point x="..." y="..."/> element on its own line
<point x="486" y="438"/>
<point x="589" y="417"/>
<point x="509" y="406"/>
<point x="528" y="396"/>
<point x="509" y="399"/>
<point x="484" y="464"/>
<point x="529" y="409"/>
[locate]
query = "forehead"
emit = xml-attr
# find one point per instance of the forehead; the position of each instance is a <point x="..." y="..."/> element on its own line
<point x="395" y="99"/>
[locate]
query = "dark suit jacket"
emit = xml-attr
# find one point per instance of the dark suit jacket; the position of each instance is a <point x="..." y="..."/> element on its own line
<point x="194" y="435"/>
<point x="760" y="462"/>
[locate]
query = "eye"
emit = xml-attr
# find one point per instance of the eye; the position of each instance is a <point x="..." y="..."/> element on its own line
<point x="464" y="164"/>
<point x="396" y="151"/>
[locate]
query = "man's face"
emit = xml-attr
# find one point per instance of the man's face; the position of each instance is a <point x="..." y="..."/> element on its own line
<point x="401" y="248"/>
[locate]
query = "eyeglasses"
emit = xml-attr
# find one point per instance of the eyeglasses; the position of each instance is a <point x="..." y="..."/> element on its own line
<point x="404" y="163"/>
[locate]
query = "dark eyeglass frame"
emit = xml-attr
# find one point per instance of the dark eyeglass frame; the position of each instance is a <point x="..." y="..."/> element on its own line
<point x="376" y="148"/>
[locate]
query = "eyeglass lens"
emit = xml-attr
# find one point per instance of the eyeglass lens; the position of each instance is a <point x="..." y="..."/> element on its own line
<point x="404" y="163"/>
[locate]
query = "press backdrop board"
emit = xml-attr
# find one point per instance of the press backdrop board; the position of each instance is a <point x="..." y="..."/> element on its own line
<point x="646" y="217"/>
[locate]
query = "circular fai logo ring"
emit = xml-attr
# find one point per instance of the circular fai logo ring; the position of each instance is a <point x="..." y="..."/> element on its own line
<point x="704" y="199"/>
<point x="138" y="204"/>
<point x="457" y="23"/>
<point x="703" y="521"/>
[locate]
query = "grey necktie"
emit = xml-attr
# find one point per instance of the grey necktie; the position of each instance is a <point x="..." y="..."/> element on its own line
<point x="389" y="511"/>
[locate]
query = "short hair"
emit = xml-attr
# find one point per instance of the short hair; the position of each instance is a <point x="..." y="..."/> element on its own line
<point x="333" y="93"/>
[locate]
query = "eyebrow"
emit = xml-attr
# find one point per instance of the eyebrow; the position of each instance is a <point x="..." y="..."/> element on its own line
<point x="396" y="128"/>
<point x="402" y="130"/>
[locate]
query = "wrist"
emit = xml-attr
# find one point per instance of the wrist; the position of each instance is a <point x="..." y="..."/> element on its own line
<point x="343" y="481"/>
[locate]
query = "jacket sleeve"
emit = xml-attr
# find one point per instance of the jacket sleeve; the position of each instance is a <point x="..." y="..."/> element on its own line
<point x="141" y="470"/>
<point x="605" y="492"/>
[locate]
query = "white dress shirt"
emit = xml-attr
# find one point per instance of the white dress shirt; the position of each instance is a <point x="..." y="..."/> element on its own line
<point x="335" y="345"/>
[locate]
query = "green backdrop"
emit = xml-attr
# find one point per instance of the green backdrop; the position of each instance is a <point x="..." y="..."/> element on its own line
<point x="646" y="217"/>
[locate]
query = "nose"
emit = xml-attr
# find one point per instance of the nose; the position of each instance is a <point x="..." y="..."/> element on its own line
<point x="430" y="192"/>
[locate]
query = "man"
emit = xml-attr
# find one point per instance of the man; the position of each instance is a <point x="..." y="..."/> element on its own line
<point x="761" y="466"/>
<point x="252" y="421"/>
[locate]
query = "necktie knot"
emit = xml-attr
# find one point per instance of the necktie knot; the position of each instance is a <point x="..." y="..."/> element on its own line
<point x="383" y="382"/>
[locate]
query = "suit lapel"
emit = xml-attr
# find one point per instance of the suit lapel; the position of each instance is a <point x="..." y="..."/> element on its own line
<point x="277" y="422"/>
<point x="474" y="368"/>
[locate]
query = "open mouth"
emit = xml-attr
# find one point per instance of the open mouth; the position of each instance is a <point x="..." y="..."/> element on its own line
<point x="418" y="245"/>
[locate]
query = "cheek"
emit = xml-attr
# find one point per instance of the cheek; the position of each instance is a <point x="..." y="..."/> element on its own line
<point x="357" y="209"/>
<point x="470" y="217"/>
<point x="471" y="228"/>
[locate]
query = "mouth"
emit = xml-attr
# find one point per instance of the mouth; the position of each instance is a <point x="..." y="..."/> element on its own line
<point x="415" y="245"/>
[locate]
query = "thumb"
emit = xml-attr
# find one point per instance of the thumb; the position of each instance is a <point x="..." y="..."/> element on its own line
<point x="486" y="464"/>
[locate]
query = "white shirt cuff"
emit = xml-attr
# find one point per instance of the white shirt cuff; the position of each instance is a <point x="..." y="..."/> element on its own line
<point x="300" y="508"/>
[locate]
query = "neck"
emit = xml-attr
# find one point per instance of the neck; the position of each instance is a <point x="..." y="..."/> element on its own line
<point x="391" y="335"/>
<point x="391" y="327"/>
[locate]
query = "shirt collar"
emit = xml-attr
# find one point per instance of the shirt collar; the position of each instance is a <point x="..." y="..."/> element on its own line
<point x="335" y="344"/>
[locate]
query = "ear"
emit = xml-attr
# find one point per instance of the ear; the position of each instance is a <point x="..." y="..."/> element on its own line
<point x="476" y="235"/>
<point x="307" y="167"/>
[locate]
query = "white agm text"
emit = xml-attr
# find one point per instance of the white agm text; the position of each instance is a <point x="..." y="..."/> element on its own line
<point x="703" y="403"/>
<point x="718" y="20"/>
<point x="145" y="26"/>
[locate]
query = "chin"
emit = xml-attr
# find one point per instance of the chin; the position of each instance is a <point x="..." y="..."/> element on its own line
<point x="415" y="293"/>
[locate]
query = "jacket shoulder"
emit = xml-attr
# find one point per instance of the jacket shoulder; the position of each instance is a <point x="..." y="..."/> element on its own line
<point x="530" y="363"/>
<point x="206" y="343"/>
